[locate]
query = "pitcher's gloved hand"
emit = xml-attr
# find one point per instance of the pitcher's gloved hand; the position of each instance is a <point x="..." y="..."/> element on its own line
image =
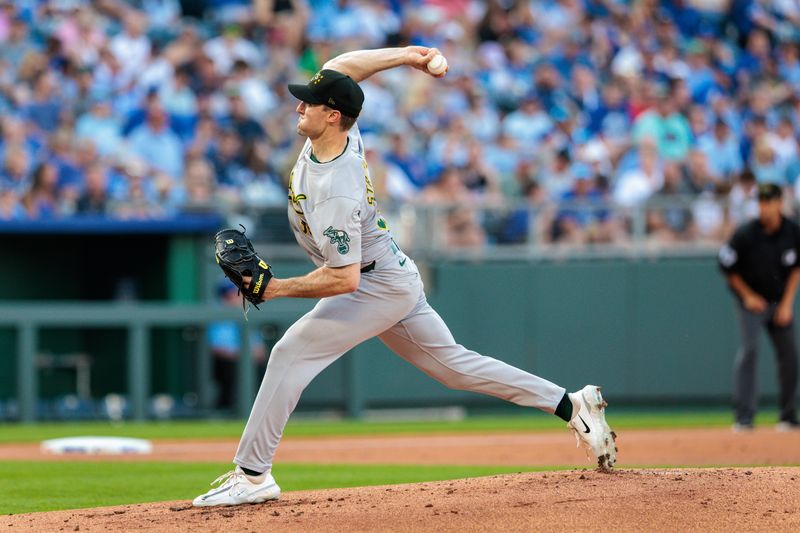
<point x="238" y="259"/>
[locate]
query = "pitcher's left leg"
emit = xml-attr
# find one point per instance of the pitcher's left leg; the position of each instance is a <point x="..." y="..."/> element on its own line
<point x="335" y="325"/>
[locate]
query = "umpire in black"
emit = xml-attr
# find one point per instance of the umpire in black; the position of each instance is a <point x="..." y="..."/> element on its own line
<point x="761" y="264"/>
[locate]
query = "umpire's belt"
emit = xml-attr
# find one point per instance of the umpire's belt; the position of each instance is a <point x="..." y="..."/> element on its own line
<point x="368" y="267"/>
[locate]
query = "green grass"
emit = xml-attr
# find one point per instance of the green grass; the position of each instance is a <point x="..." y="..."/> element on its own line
<point x="28" y="486"/>
<point x="33" y="486"/>
<point x="619" y="419"/>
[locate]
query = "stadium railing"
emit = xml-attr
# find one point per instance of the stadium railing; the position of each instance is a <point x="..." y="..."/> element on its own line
<point x="524" y="231"/>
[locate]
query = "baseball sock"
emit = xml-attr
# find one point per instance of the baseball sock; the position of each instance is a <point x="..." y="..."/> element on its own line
<point x="249" y="472"/>
<point x="564" y="409"/>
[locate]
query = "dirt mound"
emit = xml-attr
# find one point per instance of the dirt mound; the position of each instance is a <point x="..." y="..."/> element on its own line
<point x="765" y="499"/>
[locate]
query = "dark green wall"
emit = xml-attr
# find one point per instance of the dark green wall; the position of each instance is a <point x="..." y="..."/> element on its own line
<point x="69" y="267"/>
<point x="89" y="267"/>
<point x="648" y="331"/>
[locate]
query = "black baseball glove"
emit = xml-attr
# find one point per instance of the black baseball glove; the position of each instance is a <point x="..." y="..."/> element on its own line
<point x="237" y="258"/>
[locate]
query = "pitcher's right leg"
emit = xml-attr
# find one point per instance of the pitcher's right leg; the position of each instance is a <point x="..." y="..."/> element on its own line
<point x="424" y="340"/>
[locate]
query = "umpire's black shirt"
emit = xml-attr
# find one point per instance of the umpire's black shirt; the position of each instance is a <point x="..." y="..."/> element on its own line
<point x="764" y="261"/>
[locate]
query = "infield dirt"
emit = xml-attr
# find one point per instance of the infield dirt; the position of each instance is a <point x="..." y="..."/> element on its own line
<point x="756" y="499"/>
<point x="652" y="499"/>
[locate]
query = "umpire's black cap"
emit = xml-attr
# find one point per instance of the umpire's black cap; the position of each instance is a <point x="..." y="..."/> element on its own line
<point x="333" y="89"/>
<point x="769" y="191"/>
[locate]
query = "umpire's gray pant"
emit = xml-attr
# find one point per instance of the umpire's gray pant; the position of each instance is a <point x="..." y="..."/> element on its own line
<point x="395" y="310"/>
<point x="746" y="386"/>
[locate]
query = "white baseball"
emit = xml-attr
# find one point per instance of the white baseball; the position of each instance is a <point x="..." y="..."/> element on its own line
<point x="437" y="65"/>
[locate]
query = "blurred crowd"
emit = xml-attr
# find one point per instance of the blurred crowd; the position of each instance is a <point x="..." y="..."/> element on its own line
<point x="579" y="121"/>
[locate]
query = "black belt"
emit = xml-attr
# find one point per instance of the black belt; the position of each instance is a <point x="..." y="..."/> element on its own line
<point x="368" y="268"/>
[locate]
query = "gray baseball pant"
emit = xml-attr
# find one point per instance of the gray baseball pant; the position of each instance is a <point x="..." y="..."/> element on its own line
<point x="395" y="310"/>
<point x="745" y="384"/>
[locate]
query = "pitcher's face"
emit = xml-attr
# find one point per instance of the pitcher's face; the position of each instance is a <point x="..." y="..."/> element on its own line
<point x="313" y="119"/>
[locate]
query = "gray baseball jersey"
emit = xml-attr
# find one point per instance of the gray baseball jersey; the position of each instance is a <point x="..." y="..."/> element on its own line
<point x="333" y="211"/>
<point x="335" y="217"/>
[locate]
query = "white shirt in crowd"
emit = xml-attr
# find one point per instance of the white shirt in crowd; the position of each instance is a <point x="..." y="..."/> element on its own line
<point x="132" y="52"/>
<point x="635" y="186"/>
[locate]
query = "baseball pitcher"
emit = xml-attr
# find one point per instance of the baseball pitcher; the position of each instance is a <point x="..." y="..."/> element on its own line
<point x="367" y="287"/>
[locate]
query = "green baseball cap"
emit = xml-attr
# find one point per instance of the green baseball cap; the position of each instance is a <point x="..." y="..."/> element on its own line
<point x="333" y="89"/>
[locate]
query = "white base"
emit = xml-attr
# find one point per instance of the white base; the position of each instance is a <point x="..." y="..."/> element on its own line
<point x="97" y="445"/>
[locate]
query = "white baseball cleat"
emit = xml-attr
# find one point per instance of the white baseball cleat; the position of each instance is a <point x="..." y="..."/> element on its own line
<point x="590" y="427"/>
<point x="236" y="488"/>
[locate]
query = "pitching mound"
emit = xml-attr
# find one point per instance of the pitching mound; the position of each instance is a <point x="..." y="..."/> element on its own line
<point x="765" y="499"/>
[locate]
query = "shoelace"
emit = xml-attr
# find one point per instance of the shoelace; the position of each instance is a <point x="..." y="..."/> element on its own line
<point x="231" y="477"/>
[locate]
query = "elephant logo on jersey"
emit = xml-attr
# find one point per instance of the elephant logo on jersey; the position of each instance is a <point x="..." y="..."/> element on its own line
<point x="339" y="238"/>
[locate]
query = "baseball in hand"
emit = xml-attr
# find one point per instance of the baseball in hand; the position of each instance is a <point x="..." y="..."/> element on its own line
<point x="437" y="65"/>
